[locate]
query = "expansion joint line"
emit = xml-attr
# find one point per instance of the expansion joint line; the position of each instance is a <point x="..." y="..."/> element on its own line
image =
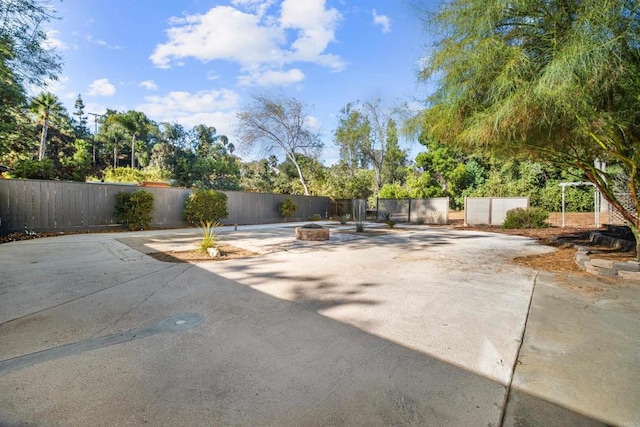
<point x="86" y="295"/>
<point x="135" y="307"/>
<point x="515" y="363"/>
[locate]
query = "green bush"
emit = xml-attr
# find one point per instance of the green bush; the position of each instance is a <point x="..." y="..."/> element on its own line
<point x="526" y="218"/>
<point x="135" y="210"/>
<point x="208" y="230"/>
<point x="32" y="169"/>
<point x="287" y="208"/>
<point x="205" y="206"/>
<point x="315" y="217"/>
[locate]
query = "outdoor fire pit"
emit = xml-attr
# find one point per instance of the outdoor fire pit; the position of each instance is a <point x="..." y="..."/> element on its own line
<point x="312" y="232"/>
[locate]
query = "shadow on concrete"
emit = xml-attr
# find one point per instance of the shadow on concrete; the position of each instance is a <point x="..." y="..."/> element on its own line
<point x="256" y="360"/>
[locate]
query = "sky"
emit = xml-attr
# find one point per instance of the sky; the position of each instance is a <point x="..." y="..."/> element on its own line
<point x="199" y="61"/>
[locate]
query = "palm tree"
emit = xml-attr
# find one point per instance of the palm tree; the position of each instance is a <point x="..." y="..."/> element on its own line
<point x="46" y="106"/>
<point x="136" y="124"/>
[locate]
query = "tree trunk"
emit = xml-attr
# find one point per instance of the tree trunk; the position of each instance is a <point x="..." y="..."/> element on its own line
<point x="43" y="140"/>
<point x="133" y="151"/>
<point x="300" y="176"/>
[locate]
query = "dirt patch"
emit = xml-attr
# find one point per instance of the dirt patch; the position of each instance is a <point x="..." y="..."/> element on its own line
<point x="577" y="232"/>
<point x="559" y="261"/>
<point x="227" y="252"/>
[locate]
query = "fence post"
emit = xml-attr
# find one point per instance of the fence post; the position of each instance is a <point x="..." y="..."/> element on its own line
<point x="409" y="213"/>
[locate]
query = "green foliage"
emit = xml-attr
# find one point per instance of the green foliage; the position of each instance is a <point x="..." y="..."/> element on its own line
<point x="32" y="169"/>
<point x="387" y="220"/>
<point x="125" y="175"/>
<point x="555" y="80"/>
<point x="345" y="218"/>
<point x="526" y="218"/>
<point x="360" y="225"/>
<point x="204" y="206"/>
<point x="287" y="208"/>
<point x="278" y="123"/>
<point x="208" y="231"/>
<point x="135" y="210"/>
<point x="315" y="217"/>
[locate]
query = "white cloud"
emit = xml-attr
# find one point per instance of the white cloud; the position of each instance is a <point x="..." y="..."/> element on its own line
<point x="316" y="27"/>
<point x="382" y="20"/>
<point x="222" y="33"/>
<point x="254" y="39"/>
<point x="149" y="85"/>
<point x="100" y="42"/>
<point x="101" y="87"/>
<point x="272" y="78"/>
<point x="53" y="42"/>
<point x="215" y="108"/>
<point x="258" y="6"/>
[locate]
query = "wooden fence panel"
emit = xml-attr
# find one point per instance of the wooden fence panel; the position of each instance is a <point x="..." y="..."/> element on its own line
<point x="37" y="205"/>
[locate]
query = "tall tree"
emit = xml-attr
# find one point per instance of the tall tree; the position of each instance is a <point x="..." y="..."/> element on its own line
<point x="552" y="79"/>
<point x="365" y="133"/>
<point x="279" y="123"/>
<point x="23" y="34"/>
<point x="395" y="160"/>
<point x="353" y="137"/>
<point x="137" y="125"/>
<point x="80" y="118"/>
<point x="46" y="106"/>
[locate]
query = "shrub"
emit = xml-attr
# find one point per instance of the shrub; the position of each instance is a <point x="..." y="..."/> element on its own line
<point x="387" y="220"/>
<point x="345" y="218"/>
<point x="315" y="217"/>
<point x="135" y="210"/>
<point x="287" y="208"/>
<point x="526" y="218"/>
<point x="32" y="169"/>
<point x="208" y="230"/>
<point x="205" y="206"/>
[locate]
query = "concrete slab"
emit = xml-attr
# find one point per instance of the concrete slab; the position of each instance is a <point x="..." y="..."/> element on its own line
<point x="419" y="327"/>
<point x="581" y="352"/>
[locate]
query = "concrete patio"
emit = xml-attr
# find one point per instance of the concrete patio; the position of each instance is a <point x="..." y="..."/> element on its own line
<point x="421" y="326"/>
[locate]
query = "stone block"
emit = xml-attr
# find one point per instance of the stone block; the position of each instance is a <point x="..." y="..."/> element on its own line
<point x="631" y="266"/>
<point x="603" y="263"/>
<point x="313" y="234"/>
<point x="590" y="268"/>
<point x="630" y="275"/>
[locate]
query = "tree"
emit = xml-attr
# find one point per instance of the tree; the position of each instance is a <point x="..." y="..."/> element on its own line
<point x="47" y="107"/>
<point x="279" y="123"/>
<point x="394" y="162"/>
<point x="24" y="36"/>
<point x="353" y="138"/>
<point x="550" y="79"/>
<point x="365" y="134"/>
<point x="24" y="59"/>
<point x="137" y="125"/>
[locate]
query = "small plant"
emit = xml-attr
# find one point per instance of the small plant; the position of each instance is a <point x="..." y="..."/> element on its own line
<point x="287" y="208"/>
<point x="135" y="210"/>
<point x="205" y="206"/>
<point x="387" y="220"/>
<point x="526" y="218"/>
<point x="345" y="218"/>
<point x="208" y="231"/>
<point x="359" y="226"/>
<point x="315" y="217"/>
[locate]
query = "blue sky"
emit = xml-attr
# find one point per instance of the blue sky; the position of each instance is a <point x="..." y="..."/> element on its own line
<point x="198" y="61"/>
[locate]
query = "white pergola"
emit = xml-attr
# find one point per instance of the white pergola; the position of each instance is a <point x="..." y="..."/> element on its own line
<point x="596" y="199"/>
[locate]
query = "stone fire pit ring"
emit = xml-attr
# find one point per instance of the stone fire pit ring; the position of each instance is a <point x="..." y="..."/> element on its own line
<point x="313" y="232"/>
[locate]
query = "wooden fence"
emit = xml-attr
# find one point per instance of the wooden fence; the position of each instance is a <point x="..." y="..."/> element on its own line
<point x="37" y="205"/>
